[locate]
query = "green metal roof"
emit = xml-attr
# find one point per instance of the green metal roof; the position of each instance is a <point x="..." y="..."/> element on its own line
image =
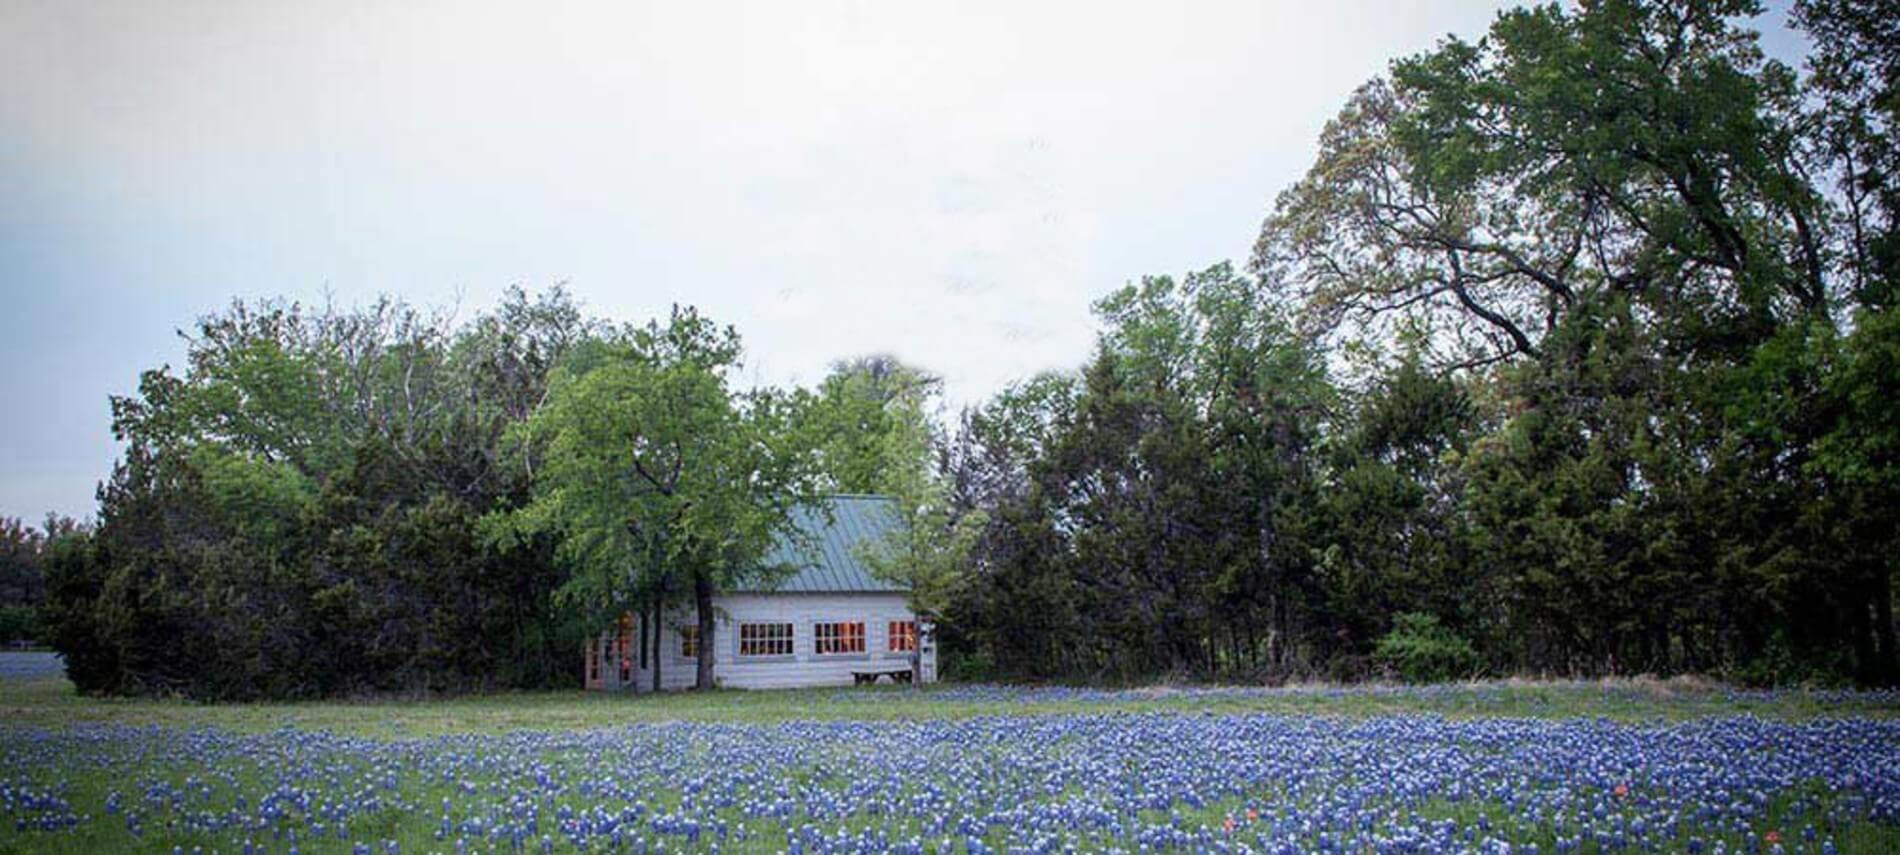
<point x="830" y="562"/>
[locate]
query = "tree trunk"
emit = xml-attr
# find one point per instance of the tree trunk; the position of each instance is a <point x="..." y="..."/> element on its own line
<point x="702" y="602"/>
<point x="1888" y="668"/>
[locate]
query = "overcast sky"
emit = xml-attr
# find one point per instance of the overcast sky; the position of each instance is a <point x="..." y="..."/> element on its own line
<point x="952" y="182"/>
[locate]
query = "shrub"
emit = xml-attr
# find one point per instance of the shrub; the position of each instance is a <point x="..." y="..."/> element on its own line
<point x="966" y="666"/>
<point x="17" y="623"/>
<point x="1421" y="650"/>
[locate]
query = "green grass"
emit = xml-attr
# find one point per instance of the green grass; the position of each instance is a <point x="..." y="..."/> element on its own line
<point x="52" y="702"/>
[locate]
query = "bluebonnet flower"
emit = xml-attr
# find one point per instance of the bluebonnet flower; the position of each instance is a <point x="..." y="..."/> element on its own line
<point x="1020" y="783"/>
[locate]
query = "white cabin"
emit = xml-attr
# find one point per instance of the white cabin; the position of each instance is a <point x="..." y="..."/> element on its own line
<point x="830" y="623"/>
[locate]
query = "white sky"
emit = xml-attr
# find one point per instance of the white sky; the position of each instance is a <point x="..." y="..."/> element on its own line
<point x="951" y="182"/>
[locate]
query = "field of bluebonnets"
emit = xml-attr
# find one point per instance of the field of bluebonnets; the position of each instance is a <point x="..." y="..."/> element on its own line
<point x="1549" y="768"/>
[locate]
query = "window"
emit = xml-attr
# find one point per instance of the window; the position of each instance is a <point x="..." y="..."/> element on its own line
<point x="689" y="642"/>
<point x="838" y="637"/>
<point x="903" y="636"/>
<point x="765" y="639"/>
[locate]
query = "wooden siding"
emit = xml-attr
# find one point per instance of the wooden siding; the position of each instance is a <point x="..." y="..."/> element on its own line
<point x="803" y="667"/>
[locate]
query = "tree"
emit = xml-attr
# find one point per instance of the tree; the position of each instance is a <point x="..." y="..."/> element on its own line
<point x="1151" y="514"/>
<point x="1859" y="455"/>
<point x="1017" y="612"/>
<point x="657" y="472"/>
<point x="296" y="510"/>
<point x="1615" y="218"/>
<point x="1392" y="484"/>
<point x="928" y="552"/>
<point x="1854" y="72"/>
<point x="870" y="420"/>
<point x="1487" y="189"/>
<point x="24" y="553"/>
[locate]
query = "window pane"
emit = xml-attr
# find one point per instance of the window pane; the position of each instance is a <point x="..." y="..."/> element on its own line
<point x="689" y="642"/>
<point x="903" y="636"/>
<point x="765" y="639"/>
<point x="840" y="637"/>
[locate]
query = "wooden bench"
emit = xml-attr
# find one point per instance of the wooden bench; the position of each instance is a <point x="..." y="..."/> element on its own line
<point x="897" y="675"/>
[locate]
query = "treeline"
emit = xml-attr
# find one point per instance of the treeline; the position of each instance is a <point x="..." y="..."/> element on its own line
<point x="333" y="501"/>
<point x="1573" y="353"/>
<point x="24" y="550"/>
<point x="297" y="512"/>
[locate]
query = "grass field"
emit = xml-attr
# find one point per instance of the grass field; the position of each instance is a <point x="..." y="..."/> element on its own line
<point x="1558" y="767"/>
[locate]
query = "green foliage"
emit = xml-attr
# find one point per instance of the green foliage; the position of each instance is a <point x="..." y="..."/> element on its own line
<point x="263" y="500"/>
<point x="24" y="552"/>
<point x="1147" y="515"/>
<point x="1421" y="650"/>
<point x="1853" y="73"/>
<point x="869" y="422"/>
<point x="1485" y="190"/>
<point x="657" y="476"/>
<point x="1613" y="291"/>
<point x="18" y="623"/>
<point x="297" y="513"/>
